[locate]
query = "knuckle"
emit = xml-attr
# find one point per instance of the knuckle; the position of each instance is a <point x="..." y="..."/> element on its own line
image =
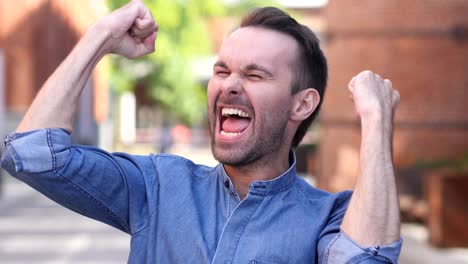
<point x="369" y="73"/>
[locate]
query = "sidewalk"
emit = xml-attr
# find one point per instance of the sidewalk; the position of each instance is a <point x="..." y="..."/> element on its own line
<point x="416" y="250"/>
<point x="35" y="230"/>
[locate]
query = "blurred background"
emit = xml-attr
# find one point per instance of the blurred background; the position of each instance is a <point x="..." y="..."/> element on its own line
<point x="158" y="104"/>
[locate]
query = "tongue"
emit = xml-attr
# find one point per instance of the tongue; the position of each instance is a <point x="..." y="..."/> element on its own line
<point x="235" y="125"/>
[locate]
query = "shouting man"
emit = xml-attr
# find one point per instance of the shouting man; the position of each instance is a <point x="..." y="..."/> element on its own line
<point x="266" y="89"/>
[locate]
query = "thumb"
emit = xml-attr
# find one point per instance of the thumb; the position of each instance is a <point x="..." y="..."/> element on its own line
<point x="150" y="41"/>
<point x="132" y="48"/>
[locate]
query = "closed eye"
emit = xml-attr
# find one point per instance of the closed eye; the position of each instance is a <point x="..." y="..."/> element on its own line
<point x="254" y="77"/>
<point x="222" y="73"/>
<point x="220" y="69"/>
<point x="257" y="72"/>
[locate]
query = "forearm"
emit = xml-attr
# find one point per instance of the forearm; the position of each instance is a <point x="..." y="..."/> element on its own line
<point x="57" y="101"/>
<point x="372" y="217"/>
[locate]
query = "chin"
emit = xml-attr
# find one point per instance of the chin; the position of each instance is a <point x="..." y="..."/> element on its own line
<point x="228" y="157"/>
<point x="233" y="157"/>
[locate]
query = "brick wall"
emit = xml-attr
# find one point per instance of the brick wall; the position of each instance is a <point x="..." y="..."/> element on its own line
<point x="422" y="46"/>
<point x="36" y="36"/>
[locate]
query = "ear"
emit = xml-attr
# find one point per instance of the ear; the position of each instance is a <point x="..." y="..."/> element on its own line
<point x="304" y="104"/>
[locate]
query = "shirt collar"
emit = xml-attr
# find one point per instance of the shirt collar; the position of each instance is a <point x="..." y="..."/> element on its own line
<point x="280" y="183"/>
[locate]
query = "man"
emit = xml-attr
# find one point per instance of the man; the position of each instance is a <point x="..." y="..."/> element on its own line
<point x="267" y="86"/>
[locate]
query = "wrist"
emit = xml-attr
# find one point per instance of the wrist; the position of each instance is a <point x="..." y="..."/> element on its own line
<point x="373" y="118"/>
<point x="376" y="121"/>
<point x="100" y="35"/>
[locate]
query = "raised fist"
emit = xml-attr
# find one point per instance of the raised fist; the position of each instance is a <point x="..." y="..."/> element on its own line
<point x="373" y="96"/>
<point x="132" y="30"/>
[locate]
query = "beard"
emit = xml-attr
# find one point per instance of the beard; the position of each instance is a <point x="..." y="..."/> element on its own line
<point x="266" y="139"/>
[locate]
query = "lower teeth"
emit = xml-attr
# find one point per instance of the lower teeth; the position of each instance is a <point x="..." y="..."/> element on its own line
<point x="229" y="134"/>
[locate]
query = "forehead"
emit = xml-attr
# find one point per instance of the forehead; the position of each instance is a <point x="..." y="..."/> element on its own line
<point x="265" y="47"/>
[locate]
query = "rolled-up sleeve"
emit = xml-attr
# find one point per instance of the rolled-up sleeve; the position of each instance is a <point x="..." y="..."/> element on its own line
<point x="342" y="249"/>
<point x="106" y="187"/>
<point x="335" y="247"/>
<point x="36" y="151"/>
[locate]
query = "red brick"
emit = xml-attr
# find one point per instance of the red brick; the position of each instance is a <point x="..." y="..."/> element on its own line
<point x="429" y="70"/>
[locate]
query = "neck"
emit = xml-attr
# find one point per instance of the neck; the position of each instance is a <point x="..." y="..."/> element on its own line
<point x="242" y="176"/>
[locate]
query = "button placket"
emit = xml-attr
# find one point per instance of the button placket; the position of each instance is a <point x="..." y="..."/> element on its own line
<point x="234" y="228"/>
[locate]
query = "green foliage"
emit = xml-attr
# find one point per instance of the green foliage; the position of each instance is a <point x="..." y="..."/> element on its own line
<point x="460" y="164"/>
<point x="167" y="73"/>
<point x="182" y="37"/>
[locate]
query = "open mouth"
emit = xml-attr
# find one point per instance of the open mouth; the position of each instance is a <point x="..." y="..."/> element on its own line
<point x="234" y="121"/>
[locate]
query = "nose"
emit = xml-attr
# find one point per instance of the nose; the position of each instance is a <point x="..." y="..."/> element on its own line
<point x="232" y="85"/>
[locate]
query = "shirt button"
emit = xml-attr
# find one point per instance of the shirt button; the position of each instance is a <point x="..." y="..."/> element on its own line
<point x="374" y="250"/>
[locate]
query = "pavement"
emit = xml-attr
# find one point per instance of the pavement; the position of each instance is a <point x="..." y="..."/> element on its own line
<point x="35" y="230"/>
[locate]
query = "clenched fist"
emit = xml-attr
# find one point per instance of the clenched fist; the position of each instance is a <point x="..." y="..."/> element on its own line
<point x="132" y="30"/>
<point x="374" y="97"/>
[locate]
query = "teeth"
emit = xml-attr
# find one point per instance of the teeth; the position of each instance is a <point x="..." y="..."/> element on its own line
<point x="229" y="134"/>
<point x="234" y="111"/>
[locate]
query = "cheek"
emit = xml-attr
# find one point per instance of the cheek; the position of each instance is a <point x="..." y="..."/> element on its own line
<point x="275" y="101"/>
<point x="211" y="92"/>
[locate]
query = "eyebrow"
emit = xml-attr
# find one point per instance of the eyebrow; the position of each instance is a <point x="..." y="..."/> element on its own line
<point x="221" y="64"/>
<point x="250" y="67"/>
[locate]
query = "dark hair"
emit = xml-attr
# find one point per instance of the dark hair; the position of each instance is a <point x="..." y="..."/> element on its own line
<point x="311" y="63"/>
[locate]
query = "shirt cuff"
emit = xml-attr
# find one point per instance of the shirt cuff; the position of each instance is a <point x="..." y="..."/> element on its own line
<point x="36" y="151"/>
<point x="344" y="250"/>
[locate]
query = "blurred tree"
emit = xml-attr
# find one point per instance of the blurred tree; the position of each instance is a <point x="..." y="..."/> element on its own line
<point x="167" y="73"/>
<point x="182" y="37"/>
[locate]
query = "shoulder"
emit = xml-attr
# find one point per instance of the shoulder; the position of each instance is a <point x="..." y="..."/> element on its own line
<point x="179" y="167"/>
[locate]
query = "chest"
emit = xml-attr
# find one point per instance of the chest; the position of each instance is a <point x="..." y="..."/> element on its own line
<point x="256" y="230"/>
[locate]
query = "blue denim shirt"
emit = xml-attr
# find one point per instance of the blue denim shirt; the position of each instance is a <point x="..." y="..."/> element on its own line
<point x="180" y="212"/>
